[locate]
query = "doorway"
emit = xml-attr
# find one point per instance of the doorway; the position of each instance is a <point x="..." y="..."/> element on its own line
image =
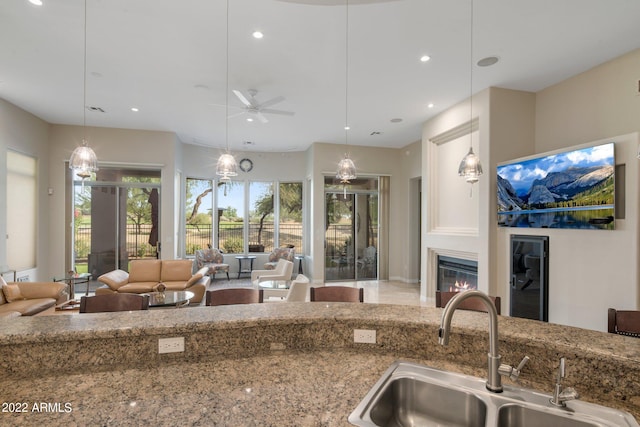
<point x="529" y="277"/>
<point x="351" y="231"/>
<point x="115" y="219"/>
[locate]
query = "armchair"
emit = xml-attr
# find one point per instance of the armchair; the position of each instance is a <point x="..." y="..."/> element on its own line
<point x="299" y="289"/>
<point x="212" y="259"/>
<point x="282" y="271"/>
<point x="278" y="254"/>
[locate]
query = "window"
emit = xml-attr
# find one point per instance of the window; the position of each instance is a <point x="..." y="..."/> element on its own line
<point x="115" y="219"/>
<point x="231" y="217"/>
<point x="246" y="217"/>
<point x="290" y="215"/>
<point x="261" y="225"/>
<point x="198" y="214"/>
<point x="21" y="211"/>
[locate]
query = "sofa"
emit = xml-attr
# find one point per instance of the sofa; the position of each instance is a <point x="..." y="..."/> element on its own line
<point x="30" y="298"/>
<point x="145" y="275"/>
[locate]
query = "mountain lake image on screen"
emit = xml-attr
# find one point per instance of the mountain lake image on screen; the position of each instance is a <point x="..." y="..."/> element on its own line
<point x="569" y="189"/>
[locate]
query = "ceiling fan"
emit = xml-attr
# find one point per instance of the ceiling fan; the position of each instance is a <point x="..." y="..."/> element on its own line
<point x="253" y="107"/>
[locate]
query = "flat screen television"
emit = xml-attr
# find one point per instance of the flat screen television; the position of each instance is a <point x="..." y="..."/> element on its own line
<point x="569" y="189"/>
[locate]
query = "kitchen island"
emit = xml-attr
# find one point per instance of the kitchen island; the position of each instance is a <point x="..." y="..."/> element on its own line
<point x="274" y="364"/>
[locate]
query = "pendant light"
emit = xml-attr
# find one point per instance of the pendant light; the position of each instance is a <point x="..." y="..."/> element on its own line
<point x="227" y="166"/>
<point x="470" y="167"/>
<point x="346" y="168"/>
<point x="83" y="160"/>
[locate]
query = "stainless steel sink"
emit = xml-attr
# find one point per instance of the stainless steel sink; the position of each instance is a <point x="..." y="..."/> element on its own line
<point x="523" y="416"/>
<point x="409" y="394"/>
<point x="407" y="402"/>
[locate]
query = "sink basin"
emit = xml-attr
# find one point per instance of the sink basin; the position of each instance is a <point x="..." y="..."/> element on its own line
<point x="523" y="416"/>
<point x="409" y="394"/>
<point x="410" y="402"/>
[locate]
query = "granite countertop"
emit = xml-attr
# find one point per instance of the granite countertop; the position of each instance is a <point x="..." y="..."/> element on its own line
<point x="276" y="364"/>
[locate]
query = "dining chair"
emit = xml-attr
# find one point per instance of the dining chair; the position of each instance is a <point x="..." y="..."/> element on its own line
<point x="474" y="304"/>
<point x="230" y="296"/>
<point x="337" y="294"/>
<point x="113" y="302"/>
<point x="624" y="322"/>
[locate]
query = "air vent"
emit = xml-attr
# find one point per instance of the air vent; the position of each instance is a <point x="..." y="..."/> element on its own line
<point x="95" y="109"/>
<point x="375" y="133"/>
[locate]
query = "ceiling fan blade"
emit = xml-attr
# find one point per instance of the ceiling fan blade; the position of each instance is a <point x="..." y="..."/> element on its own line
<point x="236" y="114"/>
<point x="261" y="117"/>
<point x="242" y="98"/>
<point x="280" y="112"/>
<point x="272" y="101"/>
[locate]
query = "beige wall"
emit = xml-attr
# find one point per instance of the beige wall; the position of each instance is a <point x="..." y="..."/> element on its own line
<point x="53" y="144"/>
<point x="23" y="132"/>
<point x="593" y="270"/>
<point x="369" y="161"/>
<point x="112" y="147"/>
<point x="590" y="270"/>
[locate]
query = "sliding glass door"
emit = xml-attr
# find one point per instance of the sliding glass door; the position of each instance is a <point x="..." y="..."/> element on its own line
<point x="115" y="219"/>
<point x="351" y="230"/>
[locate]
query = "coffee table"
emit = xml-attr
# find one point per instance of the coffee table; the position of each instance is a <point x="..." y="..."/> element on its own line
<point x="170" y="298"/>
<point x="276" y="289"/>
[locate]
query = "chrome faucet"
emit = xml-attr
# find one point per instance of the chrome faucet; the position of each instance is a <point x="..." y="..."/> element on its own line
<point x="561" y="396"/>
<point x="495" y="368"/>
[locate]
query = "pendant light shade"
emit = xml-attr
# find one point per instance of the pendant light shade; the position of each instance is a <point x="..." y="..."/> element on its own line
<point x="346" y="170"/>
<point x="226" y="166"/>
<point x="470" y="168"/>
<point x="83" y="160"/>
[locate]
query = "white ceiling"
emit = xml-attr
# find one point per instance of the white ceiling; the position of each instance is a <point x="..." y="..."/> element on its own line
<point x="168" y="58"/>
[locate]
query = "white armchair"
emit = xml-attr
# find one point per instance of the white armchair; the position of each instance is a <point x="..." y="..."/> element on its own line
<point x="299" y="289"/>
<point x="283" y="271"/>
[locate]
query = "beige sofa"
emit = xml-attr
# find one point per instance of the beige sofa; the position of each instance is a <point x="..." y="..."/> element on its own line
<point x="144" y="276"/>
<point x="30" y="298"/>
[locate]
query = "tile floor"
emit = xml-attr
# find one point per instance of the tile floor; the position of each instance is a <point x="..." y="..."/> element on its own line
<point x="375" y="291"/>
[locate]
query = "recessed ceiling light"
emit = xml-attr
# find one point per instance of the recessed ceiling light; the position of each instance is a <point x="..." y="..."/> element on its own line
<point x="425" y="58"/>
<point x="257" y="35"/>
<point x="249" y="119"/>
<point x="396" y="120"/>
<point x="488" y="61"/>
<point x="36" y="2"/>
<point x="347" y="128"/>
<point x="430" y="105"/>
<point x="135" y="109"/>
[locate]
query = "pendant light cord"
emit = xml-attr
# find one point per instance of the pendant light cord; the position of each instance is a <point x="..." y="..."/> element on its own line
<point x="471" y="80"/>
<point x="346" y="78"/>
<point x="84" y="80"/>
<point x="226" y="93"/>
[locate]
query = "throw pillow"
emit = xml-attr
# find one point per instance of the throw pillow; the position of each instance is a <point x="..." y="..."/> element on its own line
<point x="12" y="293"/>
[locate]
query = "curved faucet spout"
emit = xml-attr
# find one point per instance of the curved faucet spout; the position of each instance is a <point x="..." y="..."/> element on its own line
<point x="494" y="382"/>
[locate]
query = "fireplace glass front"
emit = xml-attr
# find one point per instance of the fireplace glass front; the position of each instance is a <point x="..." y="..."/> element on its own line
<point x="456" y="274"/>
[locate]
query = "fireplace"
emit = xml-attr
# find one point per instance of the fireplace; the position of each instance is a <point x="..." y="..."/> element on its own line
<point x="456" y="274"/>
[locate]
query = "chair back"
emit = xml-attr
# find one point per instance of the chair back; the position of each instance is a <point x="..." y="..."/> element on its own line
<point x="282" y="253"/>
<point x="230" y="296"/>
<point x="337" y="294"/>
<point x="114" y="302"/>
<point x="442" y="298"/>
<point x="624" y="322"/>
<point x="208" y="256"/>
<point x="299" y="289"/>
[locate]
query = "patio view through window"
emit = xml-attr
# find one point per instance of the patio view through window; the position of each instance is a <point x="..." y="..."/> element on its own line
<point x="115" y="219"/>
<point x="247" y="219"/>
